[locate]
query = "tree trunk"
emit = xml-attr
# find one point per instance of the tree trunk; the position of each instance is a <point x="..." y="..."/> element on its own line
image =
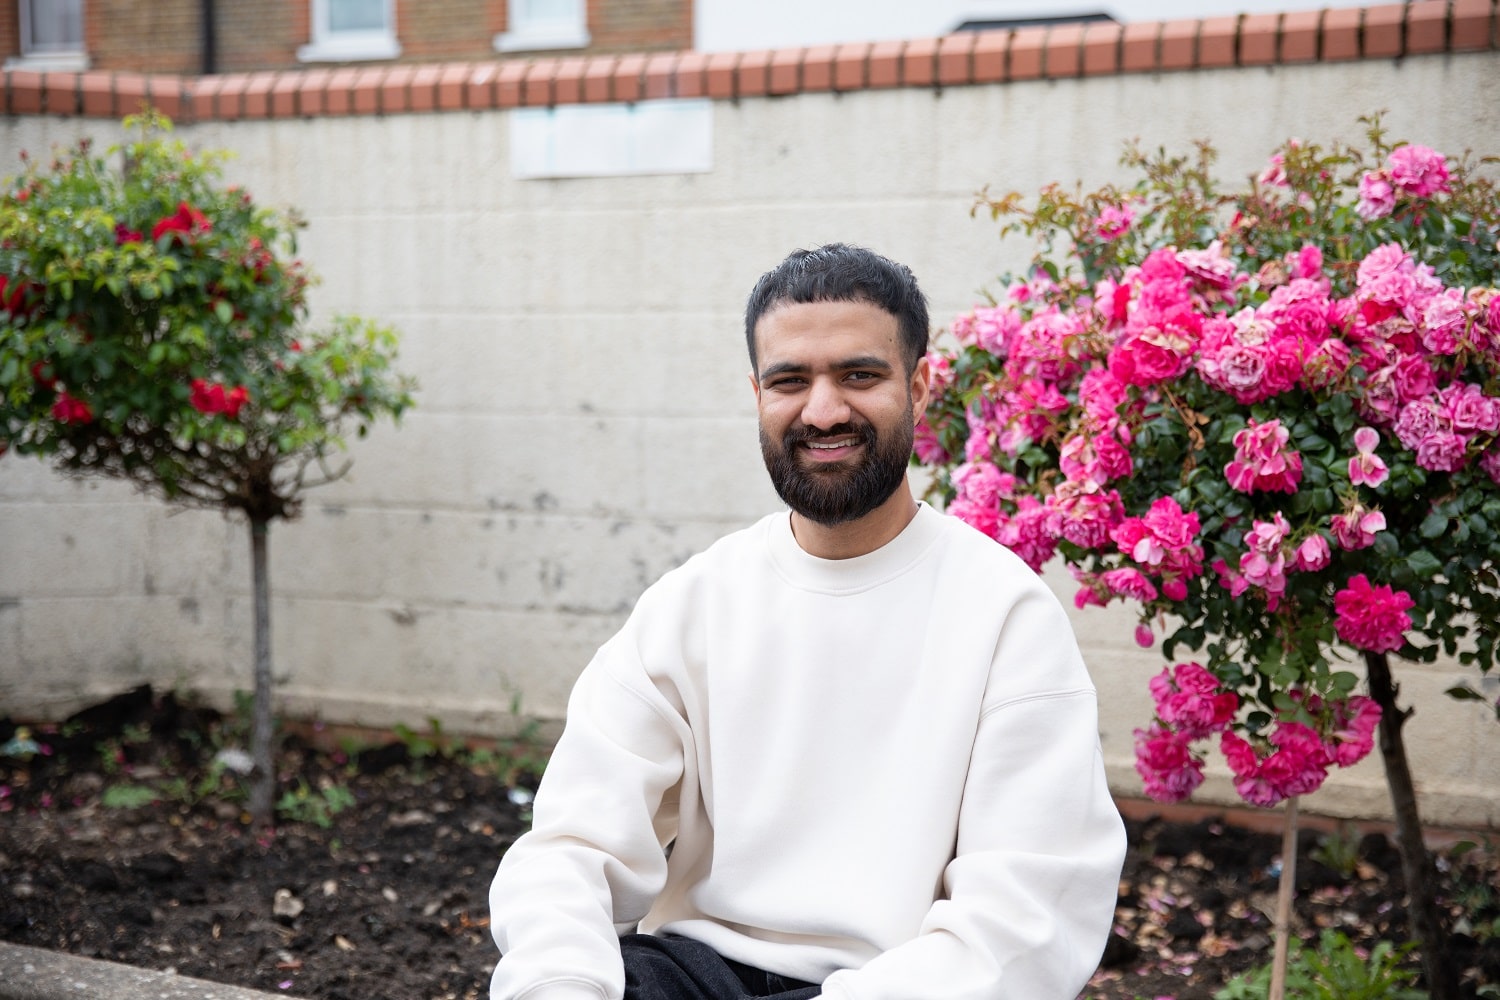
<point x="1416" y="867"/>
<point x="263" y="777"/>
<point x="1285" y="890"/>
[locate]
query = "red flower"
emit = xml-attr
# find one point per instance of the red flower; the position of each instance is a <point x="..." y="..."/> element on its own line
<point x="13" y="294"/>
<point x="71" y="411"/>
<point x="187" y="221"/>
<point x="258" y="258"/>
<point x="39" y="371"/>
<point x="210" y="397"/>
<point x="236" y="398"/>
<point x="207" y="397"/>
<point x="124" y="234"/>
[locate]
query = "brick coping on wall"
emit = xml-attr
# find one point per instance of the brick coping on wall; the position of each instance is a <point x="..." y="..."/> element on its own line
<point x="1390" y="31"/>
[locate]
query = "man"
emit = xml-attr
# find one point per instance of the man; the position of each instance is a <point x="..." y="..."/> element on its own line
<point x="848" y="752"/>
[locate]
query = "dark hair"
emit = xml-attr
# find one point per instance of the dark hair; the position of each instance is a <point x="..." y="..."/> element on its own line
<point x="842" y="273"/>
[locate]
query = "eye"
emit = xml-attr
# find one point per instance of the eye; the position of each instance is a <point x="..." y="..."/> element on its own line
<point x="862" y="378"/>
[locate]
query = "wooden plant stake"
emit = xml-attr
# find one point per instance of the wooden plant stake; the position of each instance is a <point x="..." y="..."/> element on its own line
<point x="1284" y="891"/>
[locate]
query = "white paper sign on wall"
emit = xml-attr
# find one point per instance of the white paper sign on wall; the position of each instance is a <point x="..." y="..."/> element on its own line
<point x="611" y="140"/>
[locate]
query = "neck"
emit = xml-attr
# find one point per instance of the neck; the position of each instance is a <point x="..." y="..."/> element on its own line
<point x="857" y="538"/>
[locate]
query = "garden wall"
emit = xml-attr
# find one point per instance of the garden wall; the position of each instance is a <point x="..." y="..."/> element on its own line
<point x="584" y="421"/>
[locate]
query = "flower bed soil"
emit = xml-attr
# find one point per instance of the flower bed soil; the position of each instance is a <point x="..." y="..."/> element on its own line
<point x="388" y="900"/>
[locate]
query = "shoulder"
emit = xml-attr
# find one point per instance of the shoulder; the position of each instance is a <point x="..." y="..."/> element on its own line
<point x="968" y="549"/>
<point x="734" y="554"/>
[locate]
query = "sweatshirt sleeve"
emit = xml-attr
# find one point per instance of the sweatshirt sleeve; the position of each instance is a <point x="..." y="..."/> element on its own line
<point x="1029" y="897"/>
<point x="593" y="861"/>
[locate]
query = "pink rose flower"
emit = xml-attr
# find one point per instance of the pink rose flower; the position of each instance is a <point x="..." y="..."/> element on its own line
<point x="1312" y="554"/>
<point x="926" y="445"/>
<point x="1264" y="565"/>
<point x="1417" y="420"/>
<point x="1166" y="764"/>
<point x="1131" y="583"/>
<point x="1418" y="171"/>
<point x="1442" y="321"/>
<point x="982" y="482"/>
<point x="1190" y="699"/>
<point x="1352" y="734"/>
<point x="1025" y="533"/>
<point x="1150" y="356"/>
<point x="1469" y="409"/>
<point x="1083" y="513"/>
<point x="1357" y="527"/>
<point x="1377" y="198"/>
<point x="1489" y="462"/>
<point x="991" y="328"/>
<point x="1325" y="364"/>
<point x="1095" y="454"/>
<point x="1210" y="265"/>
<point x="1296" y="767"/>
<point x="1113" y="222"/>
<point x="1262" y="460"/>
<point x="1366" y="468"/>
<point x="1372" y="617"/>
<point x="982" y="517"/>
<point x="1307" y="262"/>
<point x="1442" y="451"/>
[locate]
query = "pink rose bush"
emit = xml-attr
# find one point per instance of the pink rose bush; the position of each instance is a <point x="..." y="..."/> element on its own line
<point x="1270" y="418"/>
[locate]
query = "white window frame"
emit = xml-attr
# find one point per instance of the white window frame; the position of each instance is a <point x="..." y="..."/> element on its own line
<point x="67" y="57"/>
<point x="528" y="33"/>
<point x="328" y="45"/>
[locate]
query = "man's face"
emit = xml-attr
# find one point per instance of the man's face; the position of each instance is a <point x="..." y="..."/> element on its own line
<point x="837" y="408"/>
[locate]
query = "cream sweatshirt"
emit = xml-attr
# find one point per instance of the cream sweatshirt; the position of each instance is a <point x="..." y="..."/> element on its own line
<point x="881" y="774"/>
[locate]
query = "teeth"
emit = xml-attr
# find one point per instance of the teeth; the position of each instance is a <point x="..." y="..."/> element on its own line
<point x="827" y="447"/>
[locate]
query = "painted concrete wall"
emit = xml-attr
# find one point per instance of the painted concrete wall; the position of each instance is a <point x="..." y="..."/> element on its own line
<point x="584" y="421"/>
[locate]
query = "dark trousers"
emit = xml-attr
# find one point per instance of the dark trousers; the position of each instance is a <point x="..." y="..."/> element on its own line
<point x="678" y="968"/>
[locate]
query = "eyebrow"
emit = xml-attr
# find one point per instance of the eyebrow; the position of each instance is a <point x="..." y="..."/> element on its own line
<point x="848" y="364"/>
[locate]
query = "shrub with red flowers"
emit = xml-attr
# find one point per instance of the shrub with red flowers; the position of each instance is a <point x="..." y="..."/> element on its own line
<point x="1268" y="416"/>
<point x="177" y="361"/>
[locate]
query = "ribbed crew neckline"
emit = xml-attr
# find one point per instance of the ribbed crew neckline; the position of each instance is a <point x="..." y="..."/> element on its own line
<point x="849" y="576"/>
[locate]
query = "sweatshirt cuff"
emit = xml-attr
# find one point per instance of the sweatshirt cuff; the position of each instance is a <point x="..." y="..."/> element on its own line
<point x="563" y="991"/>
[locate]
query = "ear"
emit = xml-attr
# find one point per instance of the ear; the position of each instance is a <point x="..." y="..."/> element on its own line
<point x="755" y="384"/>
<point x="920" y="387"/>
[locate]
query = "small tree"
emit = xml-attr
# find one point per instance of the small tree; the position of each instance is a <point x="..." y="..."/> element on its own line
<point x="1271" y="417"/>
<point x="151" y="329"/>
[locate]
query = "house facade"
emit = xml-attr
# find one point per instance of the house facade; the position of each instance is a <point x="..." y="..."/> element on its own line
<point x="235" y="36"/>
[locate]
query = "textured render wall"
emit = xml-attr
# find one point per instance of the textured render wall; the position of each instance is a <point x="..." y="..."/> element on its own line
<point x="585" y="422"/>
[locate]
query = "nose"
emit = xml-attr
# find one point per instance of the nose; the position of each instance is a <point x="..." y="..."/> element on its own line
<point x="825" y="406"/>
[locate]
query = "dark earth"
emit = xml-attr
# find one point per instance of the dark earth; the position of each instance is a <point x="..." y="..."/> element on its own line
<point x="121" y="840"/>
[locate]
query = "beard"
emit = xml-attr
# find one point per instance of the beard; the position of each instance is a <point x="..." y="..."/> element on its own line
<point x="838" y="493"/>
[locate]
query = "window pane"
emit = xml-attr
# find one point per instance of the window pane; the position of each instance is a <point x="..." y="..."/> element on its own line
<point x="356" y="15"/>
<point x="53" y="25"/>
<point x="549" y="11"/>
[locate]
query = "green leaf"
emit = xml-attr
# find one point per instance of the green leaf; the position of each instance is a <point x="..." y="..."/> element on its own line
<point x="1434" y="525"/>
<point x="224" y="311"/>
<point x="128" y="796"/>
<point x="1463" y="692"/>
<point x="1424" y="563"/>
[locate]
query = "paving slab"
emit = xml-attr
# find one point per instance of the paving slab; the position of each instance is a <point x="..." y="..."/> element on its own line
<point x="38" y="974"/>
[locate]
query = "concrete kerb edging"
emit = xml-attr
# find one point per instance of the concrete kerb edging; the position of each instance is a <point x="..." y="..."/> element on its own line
<point x="38" y="974"/>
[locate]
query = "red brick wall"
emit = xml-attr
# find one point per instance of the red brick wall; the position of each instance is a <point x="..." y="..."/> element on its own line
<point x="640" y="25"/>
<point x="260" y="34"/>
<point x="10" y="30"/>
<point x="166" y="36"/>
<point x="159" y="36"/>
<point x="454" y="30"/>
